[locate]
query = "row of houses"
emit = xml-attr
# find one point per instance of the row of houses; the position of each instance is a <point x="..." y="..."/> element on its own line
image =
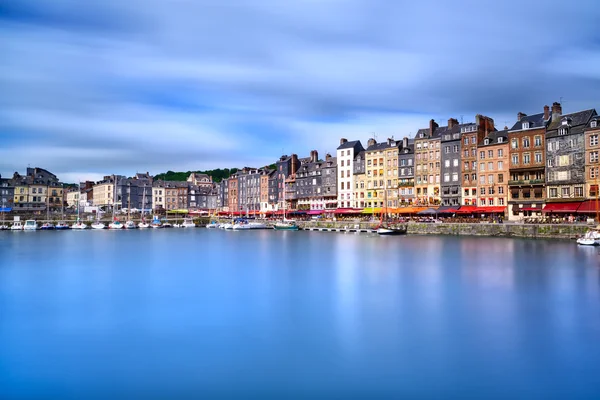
<point x="545" y="161"/>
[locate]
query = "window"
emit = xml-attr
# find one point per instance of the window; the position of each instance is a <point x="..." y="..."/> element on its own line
<point x="500" y="201"/>
<point x="578" y="191"/>
<point x="466" y="141"/>
<point x="514" y="144"/>
<point x="500" y="178"/>
<point x="593" y="156"/>
<point x="490" y="153"/>
<point x="482" y="166"/>
<point x="447" y="164"/>
<point x="474" y="140"/>
<point x="490" y="166"/>
<point x="553" y="192"/>
<point x="482" y="180"/>
<point x="500" y="153"/>
<point x="538" y="158"/>
<point x="594" y="139"/>
<point x="525" y="125"/>
<point x="446" y="177"/>
<point x="500" y="139"/>
<point x="550" y="162"/>
<point x="563" y="161"/>
<point x="500" y="165"/>
<point x="526" y="142"/>
<point x="473" y="192"/>
<point x="486" y="141"/>
<point x="455" y="162"/>
<point x="537" y="141"/>
<point x="455" y="149"/>
<point x="342" y="163"/>
<point x="466" y="178"/>
<point x="490" y="202"/>
<point x="482" y="191"/>
<point x="455" y="177"/>
<point x="566" y="192"/>
<point x="593" y="124"/>
<point x="500" y="189"/>
<point x="447" y="149"/>
<point x="515" y="159"/>
<point x="526" y="158"/>
<point x="593" y="172"/>
<point x="481" y="155"/>
<point x="490" y="179"/>
<point x="562" y="131"/>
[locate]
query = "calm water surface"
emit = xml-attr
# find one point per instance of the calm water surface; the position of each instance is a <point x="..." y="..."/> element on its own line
<point x="211" y="314"/>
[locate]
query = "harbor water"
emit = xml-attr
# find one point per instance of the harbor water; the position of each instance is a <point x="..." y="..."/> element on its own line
<point x="198" y="313"/>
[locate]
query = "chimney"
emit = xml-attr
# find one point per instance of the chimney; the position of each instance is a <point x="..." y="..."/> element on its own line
<point x="405" y="142"/>
<point x="520" y="115"/>
<point x="452" y="123"/>
<point x="505" y="127"/>
<point x="546" y="113"/>
<point x="294" y="166"/>
<point x="314" y="156"/>
<point x="390" y="141"/>
<point x="432" y="127"/>
<point x="327" y="157"/>
<point x="343" y="140"/>
<point x="371" y="142"/>
<point x="556" y="110"/>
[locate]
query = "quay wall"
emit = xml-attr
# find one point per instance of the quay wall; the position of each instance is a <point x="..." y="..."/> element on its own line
<point x="541" y="231"/>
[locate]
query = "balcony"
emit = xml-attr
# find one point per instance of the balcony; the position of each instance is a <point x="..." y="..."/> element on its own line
<point x="526" y="182"/>
<point x="406" y="184"/>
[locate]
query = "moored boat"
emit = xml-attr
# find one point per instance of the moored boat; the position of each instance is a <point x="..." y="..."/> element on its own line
<point x="285" y="226"/>
<point x="16" y="226"/>
<point x="98" y="225"/>
<point x="591" y="238"/>
<point x="130" y="225"/>
<point x="30" y="225"/>
<point x="47" y="226"/>
<point x="188" y="223"/>
<point x="116" y="225"/>
<point x="61" y="226"/>
<point x="79" y="226"/>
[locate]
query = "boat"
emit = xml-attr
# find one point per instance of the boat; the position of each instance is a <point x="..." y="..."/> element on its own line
<point x="78" y="224"/>
<point x="4" y="227"/>
<point x="188" y="223"/>
<point x="243" y="224"/>
<point x="285" y="224"/>
<point x="385" y="228"/>
<point x="116" y="225"/>
<point x="98" y="225"/>
<point x="166" y="223"/>
<point x="143" y="224"/>
<point x="212" y="225"/>
<point x="47" y="226"/>
<point x="30" y="225"/>
<point x="130" y="225"/>
<point x="16" y="226"/>
<point x="61" y="226"/>
<point x="591" y="238"/>
<point x="156" y="224"/>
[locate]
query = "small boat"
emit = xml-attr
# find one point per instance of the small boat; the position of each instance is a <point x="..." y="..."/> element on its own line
<point x="167" y="225"/>
<point x="389" y="231"/>
<point x="212" y="225"/>
<point x="116" y="225"/>
<point x="47" y="226"/>
<point x="79" y="226"/>
<point x="243" y="224"/>
<point x="591" y="238"/>
<point x="98" y="225"/>
<point x="16" y="226"/>
<point x="61" y="226"/>
<point x="4" y="227"/>
<point x="143" y="225"/>
<point x="188" y="223"/>
<point x="130" y="225"/>
<point x="156" y="224"/>
<point x="285" y="226"/>
<point x="30" y="225"/>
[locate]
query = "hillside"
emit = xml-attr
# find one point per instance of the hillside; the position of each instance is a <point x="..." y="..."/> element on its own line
<point x="217" y="174"/>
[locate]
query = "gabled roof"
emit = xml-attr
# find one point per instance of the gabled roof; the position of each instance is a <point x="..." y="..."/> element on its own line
<point x="422" y="133"/>
<point x="577" y="122"/>
<point x="380" y="146"/>
<point x="349" y="145"/>
<point x="492" y="138"/>
<point x="535" y="121"/>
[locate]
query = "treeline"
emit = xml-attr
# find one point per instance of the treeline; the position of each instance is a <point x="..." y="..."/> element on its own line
<point x="217" y="174"/>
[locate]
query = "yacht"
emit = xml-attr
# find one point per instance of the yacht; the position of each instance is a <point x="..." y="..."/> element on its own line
<point x="591" y="238"/>
<point x="285" y="226"/>
<point x="30" y="225"/>
<point x="245" y="225"/>
<point x="98" y="225"/>
<point x="4" y="227"/>
<point x="188" y="223"/>
<point x="130" y="225"/>
<point x="156" y="224"/>
<point x="116" y="225"/>
<point x="16" y="226"/>
<point x="47" y="226"/>
<point x="79" y="225"/>
<point x="61" y="226"/>
<point x="143" y="225"/>
<point x="212" y="225"/>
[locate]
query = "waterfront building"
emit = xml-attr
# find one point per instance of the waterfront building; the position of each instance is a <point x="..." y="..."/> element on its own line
<point x="493" y="156"/>
<point x="471" y="135"/>
<point x="194" y="196"/>
<point x="122" y="192"/>
<point x="55" y="198"/>
<point x="248" y="189"/>
<point x="428" y="164"/>
<point x="359" y="181"/>
<point x="73" y="197"/>
<point x="378" y="175"/>
<point x="527" y="141"/>
<point x="7" y="194"/>
<point x="158" y="195"/>
<point x="37" y="199"/>
<point x="200" y="180"/>
<point x="406" y="171"/>
<point x="565" y="159"/>
<point x="265" y="204"/>
<point x="329" y="183"/>
<point x="104" y="192"/>
<point x="592" y="150"/>
<point x="450" y="165"/>
<point x="346" y="156"/>
<point x="223" y="195"/>
<point x="233" y="199"/>
<point x="21" y="194"/>
<point x="284" y="181"/>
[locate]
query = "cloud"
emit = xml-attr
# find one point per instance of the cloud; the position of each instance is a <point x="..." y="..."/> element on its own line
<point x="119" y="87"/>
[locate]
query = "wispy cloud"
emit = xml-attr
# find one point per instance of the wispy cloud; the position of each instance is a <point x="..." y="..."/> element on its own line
<point x="118" y="87"/>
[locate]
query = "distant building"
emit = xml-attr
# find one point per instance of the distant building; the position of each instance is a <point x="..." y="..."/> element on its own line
<point x="406" y="172"/>
<point x="346" y="154"/>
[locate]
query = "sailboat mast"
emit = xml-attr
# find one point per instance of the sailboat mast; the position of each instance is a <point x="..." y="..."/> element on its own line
<point x="597" y="211"/>
<point x="62" y="201"/>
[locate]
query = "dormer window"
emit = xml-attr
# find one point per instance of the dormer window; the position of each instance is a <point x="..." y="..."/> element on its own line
<point x="565" y="121"/>
<point x="500" y="139"/>
<point x="594" y="123"/>
<point x="525" y="125"/>
<point x="486" y="141"/>
<point x="406" y="151"/>
<point x="562" y="131"/>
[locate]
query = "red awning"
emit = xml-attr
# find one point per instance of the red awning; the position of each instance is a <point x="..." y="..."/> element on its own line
<point x="467" y="210"/>
<point x="570" y="207"/>
<point x="530" y="209"/>
<point x="588" y="207"/>
<point x="348" y="211"/>
<point x="491" y="209"/>
<point x="315" y="212"/>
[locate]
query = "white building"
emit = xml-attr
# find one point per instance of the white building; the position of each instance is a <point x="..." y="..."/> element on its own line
<point x="346" y="152"/>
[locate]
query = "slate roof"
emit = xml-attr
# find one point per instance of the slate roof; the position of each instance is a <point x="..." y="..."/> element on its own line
<point x="424" y="132"/>
<point x="535" y="121"/>
<point x="349" y="145"/>
<point x="379" y="146"/>
<point x="578" y="122"/>
<point x="493" y="138"/>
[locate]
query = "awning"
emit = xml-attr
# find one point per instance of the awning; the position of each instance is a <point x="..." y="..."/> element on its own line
<point x="177" y="211"/>
<point x="347" y="211"/>
<point x="297" y="212"/>
<point x="315" y="212"/>
<point x="371" y="210"/>
<point x="447" y="209"/>
<point x="588" y="207"/>
<point x="491" y="210"/>
<point x="467" y="210"/>
<point x="428" y="211"/>
<point x="409" y="210"/>
<point x="5" y="209"/>
<point x="569" y="207"/>
<point x="538" y="209"/>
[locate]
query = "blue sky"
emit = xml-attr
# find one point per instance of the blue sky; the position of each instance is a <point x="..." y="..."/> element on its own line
<point x="99" y="87"/>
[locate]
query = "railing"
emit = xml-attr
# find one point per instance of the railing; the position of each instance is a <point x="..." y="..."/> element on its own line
<point x="406" y="184"/>
<point x="526" y="182"/>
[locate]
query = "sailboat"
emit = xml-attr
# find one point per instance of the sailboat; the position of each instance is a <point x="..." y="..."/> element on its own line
<point x="62" y="225"/>
<point x="143" y="224"/>
<point x="592" y="236"/>
<point x="156" y="224"/>
<point x="285" y="224"/>
<point x="47" y="226"/>
<point x="98" y="224"/>
<point x="385" y="228"/>
<point x="129" y="224"/>
<point x="116" y="224"/>
<point x="78" y="224"/>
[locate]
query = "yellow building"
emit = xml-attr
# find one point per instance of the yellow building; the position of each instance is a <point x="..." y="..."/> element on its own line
<point x="21" y="199"/>
<point x="428" y="165"/>
<point x="103" y="193"/>
<point x="55" y="196"/>
<point x="381" y="173"/>
<point x="360" y="192"/>
<point x="37" y="196"/>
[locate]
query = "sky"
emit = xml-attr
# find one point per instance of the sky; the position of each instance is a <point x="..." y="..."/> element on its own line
<point x="96" y="87"/>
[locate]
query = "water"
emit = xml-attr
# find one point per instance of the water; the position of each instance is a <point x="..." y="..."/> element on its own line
<point x="213" y="314"/>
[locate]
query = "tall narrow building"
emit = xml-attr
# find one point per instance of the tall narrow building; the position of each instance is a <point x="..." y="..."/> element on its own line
<point x="346" y="154"/>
